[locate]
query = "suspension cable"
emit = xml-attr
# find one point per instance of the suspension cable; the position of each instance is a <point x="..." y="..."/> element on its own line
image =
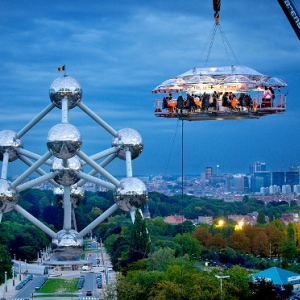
<point x="181" y="275"/>
<point x="211" y="44"/>
<point x="222" y="37"/>
<point x="227" y="42"/>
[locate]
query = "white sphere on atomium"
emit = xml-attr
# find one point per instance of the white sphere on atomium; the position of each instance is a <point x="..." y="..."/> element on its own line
<point x="77" y="195"/>
<point x="66" y="246"/>
<point x="9" y="143"/>
<point x="66" y="175"/>
<point x="128" y="139"/>
<point x="65" y="86"/>
<point x="64" y="140"/>
<point x="131" y="193"/>
<point x="8" y="196"/>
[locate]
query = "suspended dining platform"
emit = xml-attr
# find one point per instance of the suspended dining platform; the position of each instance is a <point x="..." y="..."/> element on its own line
<point x="245" y="90"/>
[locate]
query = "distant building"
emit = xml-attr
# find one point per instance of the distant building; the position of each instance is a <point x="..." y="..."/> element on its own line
<point x="266" y="175"/>
<point x="175" y="220"/>
<point x="273" y="189"/>
<point x="237" y="218"/>
<point x="208" y="172"/>
<point x="205" y="219"/>
<point x="292" y="178"/>
<point x="256" y="184"/>
<point x="227" y="182"/>
<point x="278" y="178"/>
<point x="297" y="188"/>
<point x="288" y="218"/>
<point x="239" y="183"/>
<point x="146" y="213"/>
<point x="286" y="189"/>
<point x="264" y="190"/>
<point x="257" y="167"/>
<point x="218" y="170"/>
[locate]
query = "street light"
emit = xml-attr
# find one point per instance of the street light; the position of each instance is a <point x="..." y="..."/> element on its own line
<point x="221" y="277"/>
<point x="221" y="222"/>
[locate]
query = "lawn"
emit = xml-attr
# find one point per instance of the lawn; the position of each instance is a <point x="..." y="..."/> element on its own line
<point x="59" y="286"/>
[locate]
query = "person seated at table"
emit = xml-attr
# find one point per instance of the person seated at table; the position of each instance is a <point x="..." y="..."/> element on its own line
<point x="205" y="101"/>
<point x="267" y="98"/>
<point x="213" y="100"/>
<point x="189" y="101"/>
<point x="170" y="97"/>
<point x="165" y="103"/>
<point x="225" y="100"/>
<point x="249" y="103"/>
<point x="180" y="103"/>
<point x="193" y="104"/>
<point x="184" y="103"/>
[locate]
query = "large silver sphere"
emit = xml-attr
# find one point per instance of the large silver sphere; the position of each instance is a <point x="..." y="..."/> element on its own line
<point x="66" y="246"/>
<point x="8" y="196"/>
<point x="66" y="175"/>
<point x="10" y="143"/>
<point x="131" y="193"/>
<point x="65" y="87"/>
<point x="64" y="140"/>
<point x="128" y="139"/>
<point x="77" y="195"/>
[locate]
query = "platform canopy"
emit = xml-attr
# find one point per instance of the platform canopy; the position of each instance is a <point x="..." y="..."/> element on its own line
<point x="228" y="78"/>
<point x="278" y="276"/>
<point x="227" y="70"/>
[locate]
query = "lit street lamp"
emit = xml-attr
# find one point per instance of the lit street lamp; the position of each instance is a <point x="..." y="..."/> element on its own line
<point x="221" y="277"/>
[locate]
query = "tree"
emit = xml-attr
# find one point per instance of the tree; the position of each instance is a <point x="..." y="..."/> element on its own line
<point x="5" y="263"/>
<point x="261" y="217"/>
<point x="263" y="289"/>
<point x="139" y="237"/>
<point x="159" y="259"/>
<point x="261" y="244"/>
<point x="189" y="244"/>
<point x="291" y="233"/>
<point x="240" y="242"/>
<point x="217" y="241"/>
<point x="288" y="249"/>
<point x="202" y="235"/>
<point x="245" y="199"/>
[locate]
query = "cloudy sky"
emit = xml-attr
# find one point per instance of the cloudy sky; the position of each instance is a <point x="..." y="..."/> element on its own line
<point x="119" y="51"/>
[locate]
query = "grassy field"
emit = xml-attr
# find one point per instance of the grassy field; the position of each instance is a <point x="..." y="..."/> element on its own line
<point x="59" y="286"/>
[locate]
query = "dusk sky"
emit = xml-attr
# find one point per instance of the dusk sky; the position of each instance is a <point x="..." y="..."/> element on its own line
<point x="119" y="51"/>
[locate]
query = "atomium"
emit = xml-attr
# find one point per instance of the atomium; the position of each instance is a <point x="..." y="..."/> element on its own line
<point x="9" y="143"/>
<point x="8" y="196"/>
<point x="132" y="193"/>
<point x="66" y="175"/>
<point x="65" y="87"/>
<point x="128" y="139"/>
<point x="64" y="140"/>
<point x="67" y="245"/>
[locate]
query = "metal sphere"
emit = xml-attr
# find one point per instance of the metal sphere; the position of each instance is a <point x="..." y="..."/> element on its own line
<point x="8" y="196"/>
<point x="65" y="87"/>
<point x="64" y="140"/>
<point x="77" y="195"/>
<point x="128" y="139"/>
<point x="66" y="175"/>
<point x="66" y="246"/>
<point x="10" y="143"/>
<point x="131" y="193"/>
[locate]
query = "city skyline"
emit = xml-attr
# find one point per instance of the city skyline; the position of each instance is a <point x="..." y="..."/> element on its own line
<point x="120" y="52"/>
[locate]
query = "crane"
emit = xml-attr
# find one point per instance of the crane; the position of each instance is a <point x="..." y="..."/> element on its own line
<point x="292" y="14"/>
